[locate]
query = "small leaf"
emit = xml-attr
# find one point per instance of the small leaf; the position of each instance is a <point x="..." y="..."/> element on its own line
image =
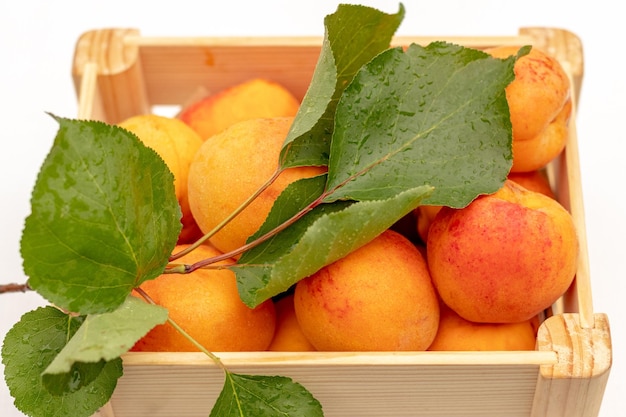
<point x="429" y="116"/>
<point x="31" y="345"/>
<point x="104" y="218"/>
<point x="354" y="34"/>
<point x="264" y="396"/>
<point x="325" y="234"/>
<point x="106" y="336"/>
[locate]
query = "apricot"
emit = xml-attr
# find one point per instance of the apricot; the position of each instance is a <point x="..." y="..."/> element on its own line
<point x="232" y="166"/>
<point x="503" y="258"/>
<point x="539" y="104"/>
<point x="457" y="334"/>
<point x="537" y="94"/>
<point x="255" y="98"/>
<point x="177" y="144"/>
<point x="536" y="153"/>
<point x="535" y="180"/>
<point x="288" y="336"/>
<point x="425" y="216"/>
<point x="378" y="298"/>
<point x="206" y="304"/>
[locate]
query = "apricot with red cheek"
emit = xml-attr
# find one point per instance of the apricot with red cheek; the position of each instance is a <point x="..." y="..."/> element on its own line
<point x="378" y="298"/>
<point x="503" y="258"/>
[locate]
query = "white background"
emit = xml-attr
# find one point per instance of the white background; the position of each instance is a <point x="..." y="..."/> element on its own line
<point x="37" y="41"/>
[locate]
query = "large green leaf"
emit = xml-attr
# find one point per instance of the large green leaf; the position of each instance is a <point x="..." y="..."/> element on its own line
<point x="264" y="396"/>
<point x="324" y="234"/>
<point x="434" y="115"/>
<point x="31" y="345"/>
<point x="354" y="34"/>
<point x="104" y="218"/>
<point x="103" y="337"/>
<point x="426" y="126"/>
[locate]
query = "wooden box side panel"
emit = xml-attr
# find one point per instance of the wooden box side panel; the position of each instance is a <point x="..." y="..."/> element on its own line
<point x="213" y="68"/>
<point x="344" y="391"/>
<point x="175" y="69"/>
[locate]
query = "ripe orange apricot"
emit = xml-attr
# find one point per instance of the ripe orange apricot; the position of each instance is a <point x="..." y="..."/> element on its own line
<point x="207" y="305"/>
<point x="177" y="144"/>
<point x="288" y="336"/>
<point x="505" y="257"/>
<point x="540" y="106"/>
<point x="457" y="334"/>
<point x="255" y="98"/>
<point x="378" y="298"/>
<point x="425" y="215"/>
<point x="536" y="153"/>
<point x="533" y="180"/>
<point x="232" y="166"/>
<point x="538" y="92"/>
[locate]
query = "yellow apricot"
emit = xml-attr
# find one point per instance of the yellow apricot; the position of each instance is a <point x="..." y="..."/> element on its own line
<point x="207" y="305"/>
<point x="231" y="167"/>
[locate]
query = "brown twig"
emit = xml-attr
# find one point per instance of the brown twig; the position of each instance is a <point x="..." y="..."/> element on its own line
<point x="13" y="287"/>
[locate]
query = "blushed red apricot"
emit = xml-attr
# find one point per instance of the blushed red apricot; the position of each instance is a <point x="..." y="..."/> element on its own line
<point x="378" y="298"/>
<point x="505" y="257"/>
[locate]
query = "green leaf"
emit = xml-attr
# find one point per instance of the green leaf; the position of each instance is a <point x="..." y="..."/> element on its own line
<point x="103" y="337"/>
<point x="264" y="396"/>
<point x="325" y="234"/>
<point x="354" y="34"/>
<point x="77" y="377"/>
<point x="104" y="218"/>
<point x="31" y="345"/>
<point x="434" y="115"/>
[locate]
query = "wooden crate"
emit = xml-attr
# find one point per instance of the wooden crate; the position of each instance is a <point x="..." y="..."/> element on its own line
<point x="119" y="73"/>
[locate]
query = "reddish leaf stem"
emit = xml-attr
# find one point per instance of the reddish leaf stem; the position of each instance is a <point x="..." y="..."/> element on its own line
<point x="14" y="287"/>
<point x="229" y="255"/>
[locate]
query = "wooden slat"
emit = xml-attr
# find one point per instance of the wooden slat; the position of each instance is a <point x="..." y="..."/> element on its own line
<point x="219" y="66"/>
<point x="344" y="391"/>
<point x="214" y="63"/>
<point x="251" y="359"/>
<point x="89" y="102"/>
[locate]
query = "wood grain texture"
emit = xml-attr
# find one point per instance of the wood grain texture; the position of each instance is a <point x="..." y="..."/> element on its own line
<point x="574" y="386"/>
<point x="343" y="390"/>
<point x="119" y="91"/>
